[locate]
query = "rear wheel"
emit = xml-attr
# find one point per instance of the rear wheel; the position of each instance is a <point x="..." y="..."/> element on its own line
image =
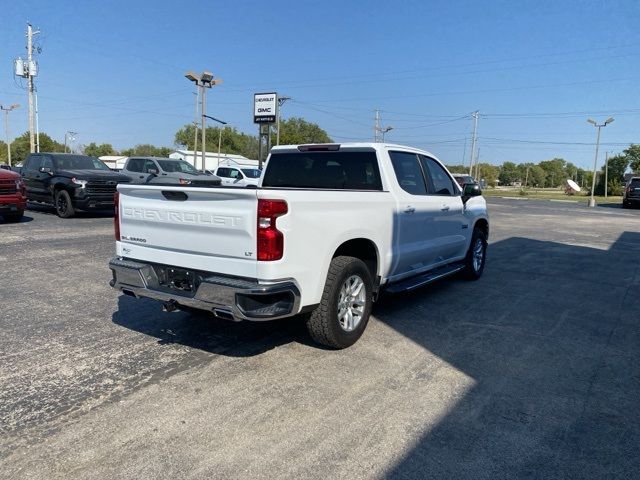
<point x="345" y="307"/>
<point x="63" y="204"/>
<point x="476" y="255"/>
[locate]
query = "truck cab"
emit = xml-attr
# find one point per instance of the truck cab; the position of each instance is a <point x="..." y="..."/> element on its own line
<point x="149" y="170"/>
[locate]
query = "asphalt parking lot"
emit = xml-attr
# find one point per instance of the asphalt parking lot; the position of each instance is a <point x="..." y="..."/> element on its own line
<point x="533" y="371"/>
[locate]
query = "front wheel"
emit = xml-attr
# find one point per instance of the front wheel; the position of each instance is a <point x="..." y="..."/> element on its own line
<point x="476" y="256"/>
<point x="345" y="307"/>
<point x="63" y="204"/>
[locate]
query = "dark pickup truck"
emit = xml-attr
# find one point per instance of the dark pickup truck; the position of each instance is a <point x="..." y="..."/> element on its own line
<point x="70" y="182"/>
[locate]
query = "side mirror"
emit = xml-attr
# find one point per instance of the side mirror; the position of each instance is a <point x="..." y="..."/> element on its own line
<point x="470" y="190"/>
<point x="46" y="170"/>
<point x="153" y="171"/>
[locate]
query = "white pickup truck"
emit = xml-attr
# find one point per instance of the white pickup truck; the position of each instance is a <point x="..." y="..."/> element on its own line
<point x="327" y="230"/>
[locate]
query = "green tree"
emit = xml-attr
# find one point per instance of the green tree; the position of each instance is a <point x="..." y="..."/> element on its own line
<point x="555" y="171"/>
<point x="537" y="176"/>
<point x="232" y="141"/>
<point x="3" y="153"/>
<point x="20" y="147"/>
<point x="489" y="173"/>
<point x="99" y="150"/>
<point x="633" y="155"/>
<point x="147" y="150"/>
<point x="509" y="173"/>
<point x="296" y="130"/>
<point x="617" y="166"/>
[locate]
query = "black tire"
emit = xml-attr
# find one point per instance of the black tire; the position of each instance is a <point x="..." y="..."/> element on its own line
<point x="473" y="270"/>
<point x="63" y="205"/>
<point x="323" y="324"/>
<point x="13" y="217"/>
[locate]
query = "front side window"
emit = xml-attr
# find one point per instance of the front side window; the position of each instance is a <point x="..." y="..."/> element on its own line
<point x="135" y="165"/>
<point x="47" y="163"/>
<point x="149" y="165"/>
<point x="441" y="183"/>
<point x="179" y="166"/>
<point x="408" y="172"/>
<point x="235" y="173"/>
<point x="223" y="172"/>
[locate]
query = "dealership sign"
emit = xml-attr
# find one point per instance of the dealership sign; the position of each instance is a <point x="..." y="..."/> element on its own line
<point x="264" y="107"/>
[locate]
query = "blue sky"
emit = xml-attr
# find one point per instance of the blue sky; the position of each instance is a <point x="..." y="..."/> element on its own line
<point x="113" y="70"/>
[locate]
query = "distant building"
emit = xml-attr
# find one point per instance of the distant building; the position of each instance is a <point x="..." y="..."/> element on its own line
<point x="114" y="162"/>
<point x="212" y="160"/>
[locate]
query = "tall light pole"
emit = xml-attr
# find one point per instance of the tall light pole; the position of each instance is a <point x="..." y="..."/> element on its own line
<point x="592" y="200"/>
<point x="203" y="80"/>
<point x="195" y="125"/>
<point x="6" y="128"/>
<point x="474" y="139"/>
<point x="219" y="133"/>
<point x="281" y="101"/>
<point x="385" y="130"/>
<point x="72" y="137"/>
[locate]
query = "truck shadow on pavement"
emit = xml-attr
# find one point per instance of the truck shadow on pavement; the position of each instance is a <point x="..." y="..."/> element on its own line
<point x="205" y="332"/>
<point x="548" y="339"/>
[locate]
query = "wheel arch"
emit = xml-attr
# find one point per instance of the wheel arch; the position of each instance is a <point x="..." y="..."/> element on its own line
<point x="483" y="225"/>
<point x="364" y="249"/>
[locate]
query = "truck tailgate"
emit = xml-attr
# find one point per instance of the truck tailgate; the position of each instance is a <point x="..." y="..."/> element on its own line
<point x="210" y="229"/>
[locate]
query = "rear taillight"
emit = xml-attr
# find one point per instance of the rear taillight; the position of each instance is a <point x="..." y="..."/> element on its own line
<point x="270" y="239"/>
<point x="116" y="217"/>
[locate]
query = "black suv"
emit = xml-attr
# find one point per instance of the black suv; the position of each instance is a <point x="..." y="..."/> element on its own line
<point x="70" y="182"/>
<point x="631" y="194"/>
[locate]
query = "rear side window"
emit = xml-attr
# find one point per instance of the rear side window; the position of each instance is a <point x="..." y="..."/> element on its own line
<point x="408" y="172"/>
<point x="341" y="170"/>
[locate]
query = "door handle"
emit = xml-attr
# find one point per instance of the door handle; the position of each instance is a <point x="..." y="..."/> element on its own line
<point x="409" y="210"/>
<point x="445" y="208"/>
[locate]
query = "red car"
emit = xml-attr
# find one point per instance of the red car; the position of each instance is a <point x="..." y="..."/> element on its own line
<point x="13" y="199"/>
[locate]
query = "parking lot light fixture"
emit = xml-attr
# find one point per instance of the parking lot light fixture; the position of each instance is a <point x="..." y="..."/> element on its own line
<point x="592" y="200"/>
<point x="202" y="80"/>
<point x="6" y="127"/>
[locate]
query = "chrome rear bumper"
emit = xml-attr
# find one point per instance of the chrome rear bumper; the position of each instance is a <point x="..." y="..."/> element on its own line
<point x="227" y="297"/>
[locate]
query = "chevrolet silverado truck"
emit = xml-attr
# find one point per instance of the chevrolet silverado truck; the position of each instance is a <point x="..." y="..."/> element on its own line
<point x="70" y="182"/>
<point x="13" y="200"/>
<point x="329" y="228"/>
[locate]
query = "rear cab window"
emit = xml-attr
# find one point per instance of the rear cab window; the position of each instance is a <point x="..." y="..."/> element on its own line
<point x="331" y="170"/>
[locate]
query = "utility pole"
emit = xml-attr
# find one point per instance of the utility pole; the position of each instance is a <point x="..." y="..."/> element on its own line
<point x="473" y="140"/>
<point x="31" y="72"/>
<point x="526" y="178"/>
<point x="6" y="128"/>
<point x="281" y="101"/>
<point x="477" y="175"/>
<point x="376" y="127"/>
<point x="606" y="173"/>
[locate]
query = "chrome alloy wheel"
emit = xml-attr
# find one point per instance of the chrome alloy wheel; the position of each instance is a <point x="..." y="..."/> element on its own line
<point x="351" y="303"/>
<point x="478" y="254"/>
